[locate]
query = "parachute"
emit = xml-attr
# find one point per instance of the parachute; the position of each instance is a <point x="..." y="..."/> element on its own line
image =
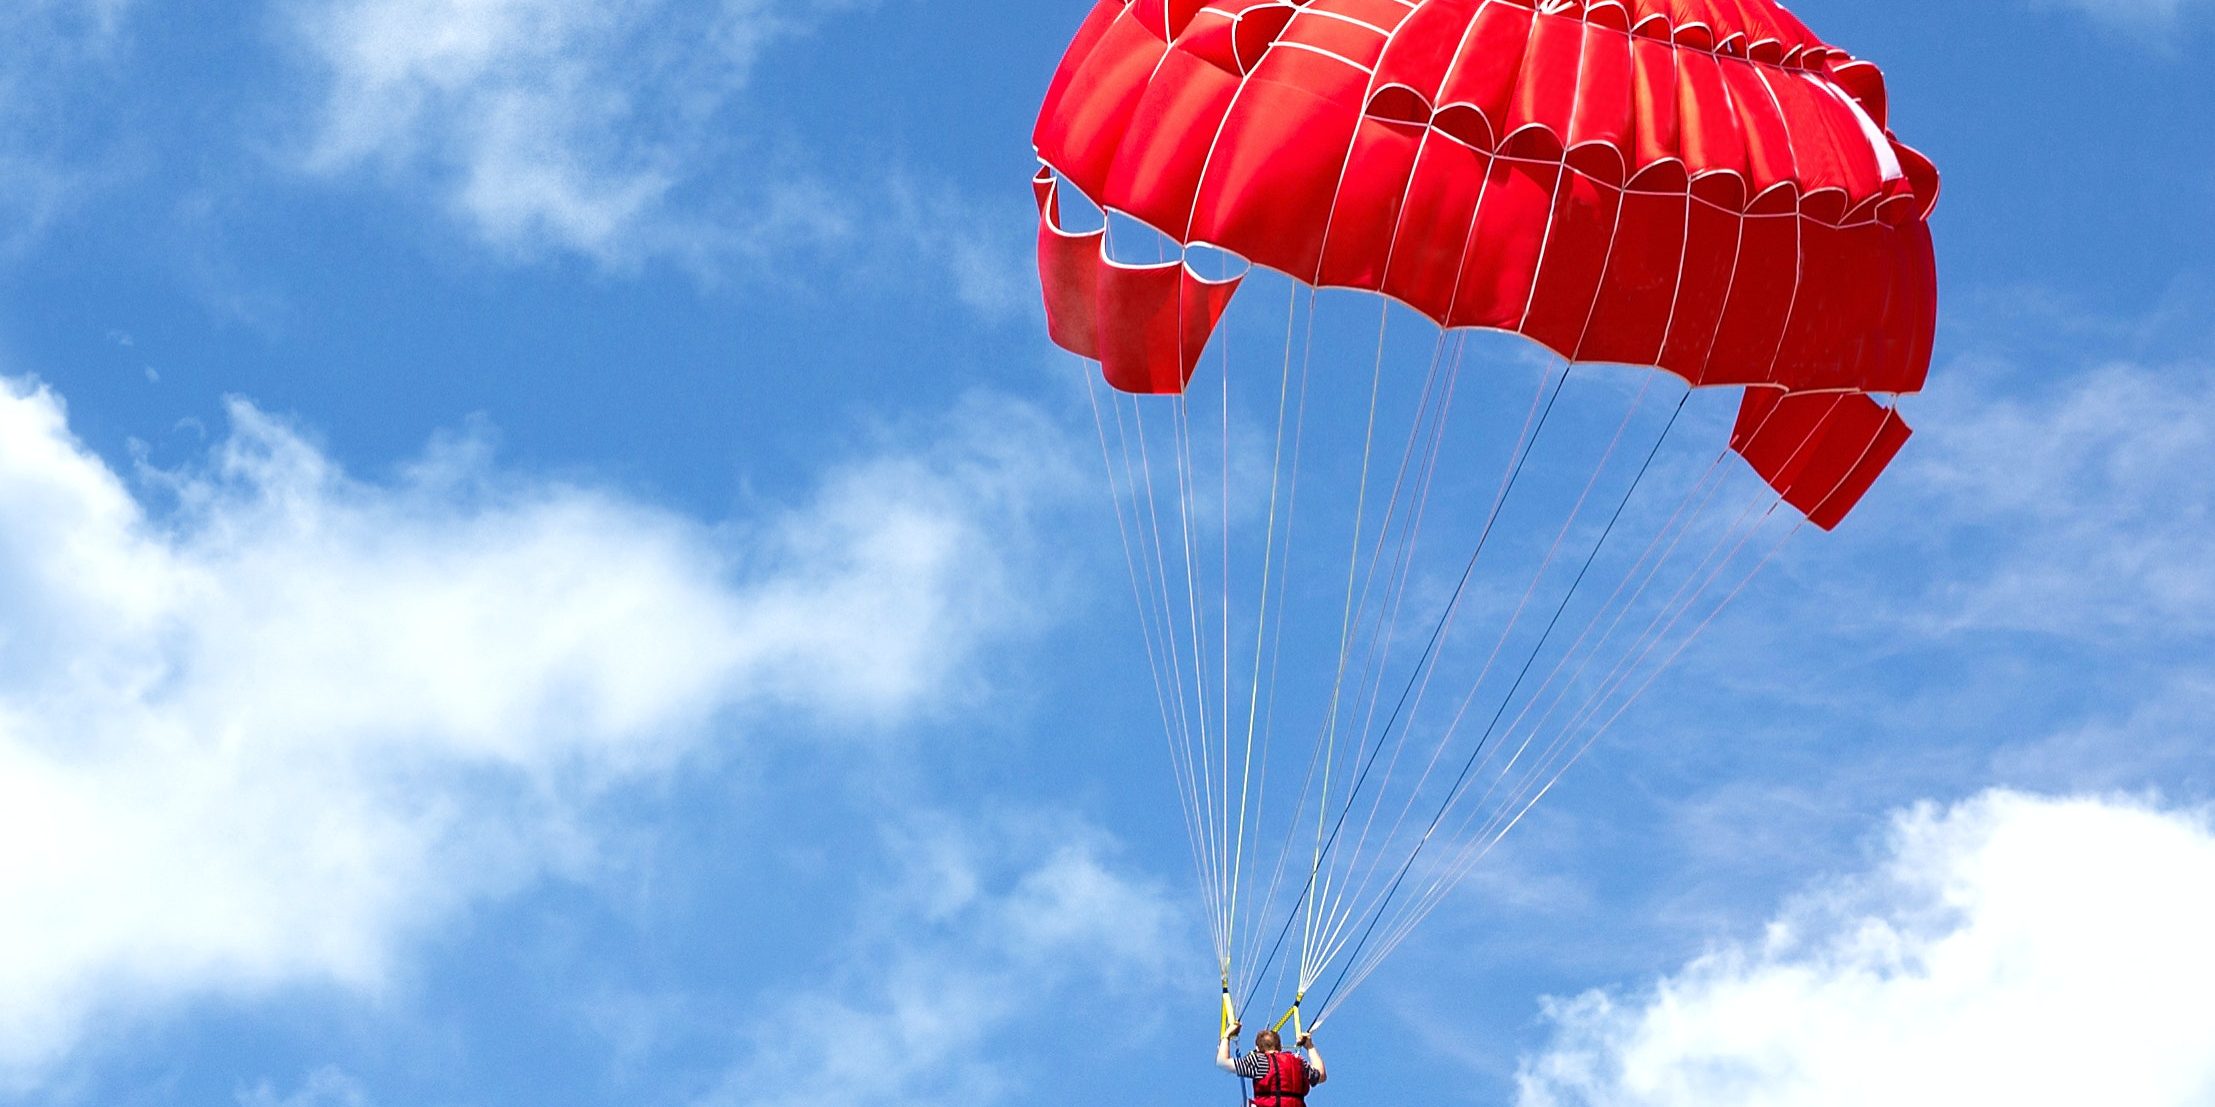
<point x="1701" y="187"/>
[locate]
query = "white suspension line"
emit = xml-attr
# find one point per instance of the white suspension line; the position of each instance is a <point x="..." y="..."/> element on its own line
<point x="1626" y="663"/>
<point x="1370" y="964"/>
<point x="1431" y="413"/>
<point x="1194" y="771"/>
<point x="1353" y="556"/>
<point x="1349" y="912"/>
<point x="1265" y="905"/>
<point x="1261" y="605"/>
<point x="1673" y="529"/>
<point x="1131" y="564"/>
<point x="1453" y="794"/>
<point x="1525" y="439"/>
<point x="1389" y="616"/>
<point x="1745" y="531"/>
<point x="1188" y="504"/>
<point x="1177" y="723"/>
<point x="1542" y="403"/>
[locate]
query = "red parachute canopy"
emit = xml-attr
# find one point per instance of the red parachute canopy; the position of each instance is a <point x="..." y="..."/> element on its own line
<point x="1702" y="186"/>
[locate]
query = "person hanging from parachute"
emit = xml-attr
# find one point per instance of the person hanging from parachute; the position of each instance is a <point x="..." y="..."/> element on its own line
<point x="1279" y="1078"/>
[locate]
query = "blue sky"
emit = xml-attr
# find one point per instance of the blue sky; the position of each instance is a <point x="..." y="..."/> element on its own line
<point x="545" y="557"/>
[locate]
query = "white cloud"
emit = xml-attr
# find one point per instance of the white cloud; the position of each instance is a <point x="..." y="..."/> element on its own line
<point x="551" y="124"/>
<point x="2011" y="949"/>
<point x="2129" y="15"/>
<point x="2082" y="507"/>
<point x="994" y="921"/>
<point x="984" y="249"/>
<point x="623" y="133"/>
<point x="2153" y="736"/>
<point x="57" y="59"/>
<point x="328" y="1087"/>
<point x="265" y="737"/>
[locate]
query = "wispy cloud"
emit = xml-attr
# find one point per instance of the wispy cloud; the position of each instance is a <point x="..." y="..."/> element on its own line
<point x="264" y="736"/>
<point x="982" y="248"/>
<point x="993" y="920"/>
<point x="2158" y="735"/>
<point x="2137" y="16"/>
<point x="328" y="1087"/>
<point x="626" y="134"/>
<point x="2089" y="495"/>
<point x="2010" y="949"/>
<point x="562" y="125"/>
<point x="56" y="57"/>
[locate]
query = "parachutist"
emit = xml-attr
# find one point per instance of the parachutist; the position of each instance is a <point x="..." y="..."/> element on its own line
<point x="1280" y="1079"/>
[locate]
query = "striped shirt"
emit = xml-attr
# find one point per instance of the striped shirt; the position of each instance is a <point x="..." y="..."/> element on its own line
<point x="1255" y="1065"/>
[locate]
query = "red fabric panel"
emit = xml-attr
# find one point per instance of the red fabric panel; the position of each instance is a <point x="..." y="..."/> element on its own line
<point x="1761" y="289"/>
<point x="1911" y="324"/>
<point x="1920" y="173"/>
<point x="1157" y="168"/>
<point x="1163" y="317"/>
<point x="1081" y="137"/>
<point x="1388" y="14"/>
<point x="1425" y="46"/>
<point x="1858" y="170"/>
<point x="1326" y="78"/>
<point x="1775" y="429"/>
<point x="1604" y="102"/>
<point x="1209" y="38"/>
<point x="1711" y="239"/>
<point x="1165" y="18"/>
<point x="1820" y="345"/>
<point x="1708" y="136"/>
<point x="1352" y="41"/>
<point x="1756" y="18"/>
<point x="1820" y="451"/>
<point x="1146" y="325"/>
<point x="1881" y="349"/>
<point x="1575" y="258"/>
<point x="1653" y="101"/>
<point x="1630" y="316"/>
<point x="1769" y="151"/>
<point x="1503" y="252"/>
<point x="1069" y="265"/>
<point x="1863" y="265"/>
<point x="1484" y="74"/>
<point x="1865" y="83"/>
<point x="1096" y="24"/>
<point x="1608" y="14"/>
<point x="1274" y="174"/>
<point x="1432" y="237"/>
<point x="1815" y="119"/>
<point x="1893" y="299"/>
<point x="1257" y="31"/>
<point x="1869" y="462"/>
<point x="1547" y="93"/>
<point x="1367" y="212"/>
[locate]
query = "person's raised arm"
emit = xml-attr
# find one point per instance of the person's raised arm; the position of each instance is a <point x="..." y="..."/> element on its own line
<point x="1223" y="1050"/>
<point x="1314" y="1058"/>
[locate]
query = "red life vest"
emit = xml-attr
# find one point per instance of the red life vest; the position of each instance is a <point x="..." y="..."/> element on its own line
<point x="1285" y="1085"/>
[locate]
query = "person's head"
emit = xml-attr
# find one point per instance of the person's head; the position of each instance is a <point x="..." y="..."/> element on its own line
<point x="1268" y="1042"/>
